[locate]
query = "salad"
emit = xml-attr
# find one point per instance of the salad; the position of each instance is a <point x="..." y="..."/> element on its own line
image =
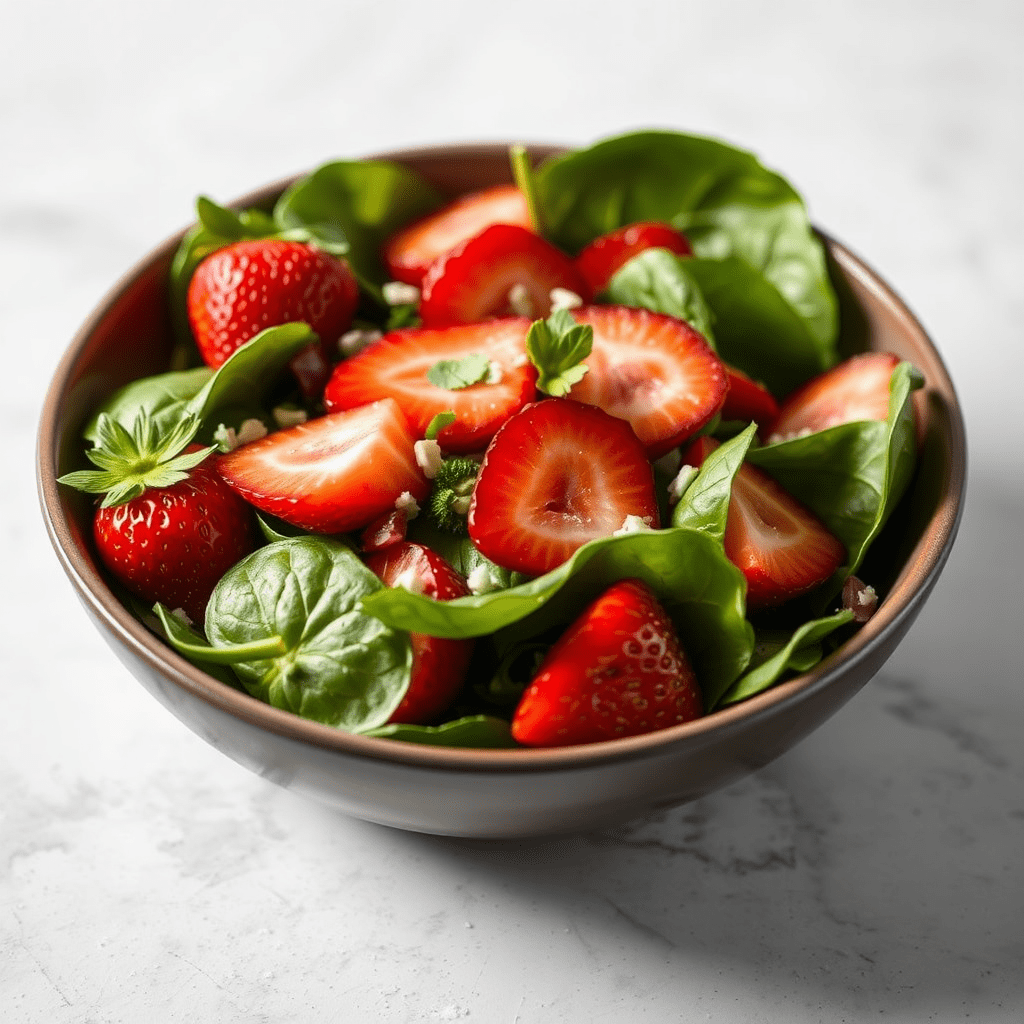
<point x="548" y="463"/>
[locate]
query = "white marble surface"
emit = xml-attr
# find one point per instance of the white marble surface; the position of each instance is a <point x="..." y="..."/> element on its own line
<point x="875" y="872"/>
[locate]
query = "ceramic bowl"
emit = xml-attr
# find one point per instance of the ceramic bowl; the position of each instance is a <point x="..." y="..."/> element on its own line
<point x="499" y="793"/>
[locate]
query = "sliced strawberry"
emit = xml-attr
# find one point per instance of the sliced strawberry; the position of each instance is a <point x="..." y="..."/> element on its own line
<point x="618" y="670"/>
<point x="746" y="399"/>
<point x="410" y="252"/>
<point x="331" y="474"/>
<point x="475" y="280"/>
<point x="384" y="531"/>
<point x="857" y="389"/>
<point x="599" y="260"/>
<point x="557" y="474"/>
<point x="438" y="666"/>
<point x="396" y="367"/>
<point x="781" y="548"/>
<point x="654" y="371"/>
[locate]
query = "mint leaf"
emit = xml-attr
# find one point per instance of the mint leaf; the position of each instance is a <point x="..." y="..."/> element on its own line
<point x="455" y="374"/>
<point x="557" y="347"/>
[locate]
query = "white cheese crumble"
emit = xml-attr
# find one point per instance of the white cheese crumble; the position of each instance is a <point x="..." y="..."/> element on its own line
<point x="481" y="580"/>
<point x="428" y="457"/>
<point x="634" y="524"/>
<point x="406" y="503"/>
<point x="288" y="417"/>
<point x="228" y="439"/>
<point x="410" y="580"/>
<point x="563" y="298"/>
<point x="519" y="300"/>
<point x="682" y="480"/>
<point x="356" y="340"/>
<point x="398" y="293"/>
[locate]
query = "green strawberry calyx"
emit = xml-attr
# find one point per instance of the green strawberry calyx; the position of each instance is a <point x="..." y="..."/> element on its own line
<point x="133" y="461"/>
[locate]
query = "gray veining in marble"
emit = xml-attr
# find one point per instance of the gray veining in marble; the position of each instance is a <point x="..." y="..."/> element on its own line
<point x="875" y="872"/>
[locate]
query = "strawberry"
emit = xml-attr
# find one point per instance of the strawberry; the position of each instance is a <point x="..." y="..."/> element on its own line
<point x="556" y="475"/>
<point x="247" y="286"/>
<point x="655" y="371"/>
<point x="438" y="665"/>
<point x="607" y="254"/>
<point x="385" y="530"/>
<point x="618" y="670"/>
<point x="857" y="389"/>
<point x="780" y="547"/>
<point x="331" y="474"/>
<point x="397" y="365"/>
<point x="168" y="527"/>
<point x="503" y="271"/>
<point x="746" y="399"/>
<point x="409" y="253"/>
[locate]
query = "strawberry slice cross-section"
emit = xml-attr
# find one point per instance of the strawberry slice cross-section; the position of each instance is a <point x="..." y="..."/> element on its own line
<point x="654" y="371"/>
<point x="331" y="474"/>
<point x="397" y="367"/>
<point x="599" y="261"/>
<point x="557" y="475"/>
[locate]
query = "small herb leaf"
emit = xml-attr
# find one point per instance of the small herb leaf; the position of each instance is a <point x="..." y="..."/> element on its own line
<point x="455" y="374"/>
<point x="438" y="423"/>
<point x="557" y="347"/>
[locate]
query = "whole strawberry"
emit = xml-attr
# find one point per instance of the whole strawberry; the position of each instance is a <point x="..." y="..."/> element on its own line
<point x="247" y="286"/>
<point x="168" y="526"/>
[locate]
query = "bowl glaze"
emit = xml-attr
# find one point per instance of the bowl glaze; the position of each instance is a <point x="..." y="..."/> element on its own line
<point x="499" y="793"/>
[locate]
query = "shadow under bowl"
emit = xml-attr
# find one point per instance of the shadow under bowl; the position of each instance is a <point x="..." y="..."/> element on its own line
<point x="498" y="793"/>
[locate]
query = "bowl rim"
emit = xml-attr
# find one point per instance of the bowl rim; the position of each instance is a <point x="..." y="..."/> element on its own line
<point x="911" y="587"/>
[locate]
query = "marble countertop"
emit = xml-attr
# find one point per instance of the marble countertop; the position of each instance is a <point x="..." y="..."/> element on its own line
<point x="876" y="871"/>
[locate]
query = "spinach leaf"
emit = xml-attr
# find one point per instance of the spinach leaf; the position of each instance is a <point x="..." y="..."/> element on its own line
<point x="472" y="731"/>
<point x="724" y="200"/>
<point x="241" y="380"/>
<point x="187" y="642"/>
<point x="701" y="589"/>
<point x="705" y="504"/>
<point x="658" y="280"/>
<point x="852" y="476"/>
<point x="365" y="201"/>
<point x="340" y="666"/>
<point x="790" y="655"/>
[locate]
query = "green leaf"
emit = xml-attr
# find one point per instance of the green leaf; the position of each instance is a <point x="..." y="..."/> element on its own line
<point x="185" y="640"/>
<point x="438" y="423"/>
<point x="340" y="666"/>
<point x="558" y="347"/>
<point x="455" y="374"/>
<point x="474" y="731"/>
<point x="852" y="476"/>
<point x="658" y="280"/>
<point x="722" y="198"/>
<point x="191" y="645"/>
<point x="364" y="201"/>
<point x="701" y="589"/>
<point x="522" y="171"/>
<point x="790" y="655"/>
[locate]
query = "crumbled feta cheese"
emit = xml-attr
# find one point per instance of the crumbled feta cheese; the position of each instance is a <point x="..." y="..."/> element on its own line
<point x="519" y="300"/>
<point x="182" y="616"/>
<point x="634" y="524"/>
<point x="288" y="417"/>
<point x="410" y="580"/>
<point x="428" y="457"/>
<point x="398" y="293"/>
<point x="563" y="298"/>
<point x="406" y="503"/>
<point x="481" y="580"/>
<point x="682" y="480"/>
<point x="356" y="340"/>
<point x="228" y="439"/>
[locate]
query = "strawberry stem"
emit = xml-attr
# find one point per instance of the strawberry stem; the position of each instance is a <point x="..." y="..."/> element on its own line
<point x="522" y="171"/>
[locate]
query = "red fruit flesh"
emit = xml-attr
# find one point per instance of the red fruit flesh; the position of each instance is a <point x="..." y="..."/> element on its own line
<point x="384" y="531"/>
<point x="409" y="253"/>
<point x="599" y="261"/>
<point x="438" y="665"/>
<point x="857" y="389"/>
<point x="618" y="670"/>
<point x="396" y="366"/>
<point x="556" y="475"/>
<point x="654" y="371"/>
<point x="474" y="281"/>
<point x="781" y="548"/>
<point x="172" y="544"/>
<point x="747" y="400"/>
<point x="332" y="474"/>
<point x="249" y="286"/>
